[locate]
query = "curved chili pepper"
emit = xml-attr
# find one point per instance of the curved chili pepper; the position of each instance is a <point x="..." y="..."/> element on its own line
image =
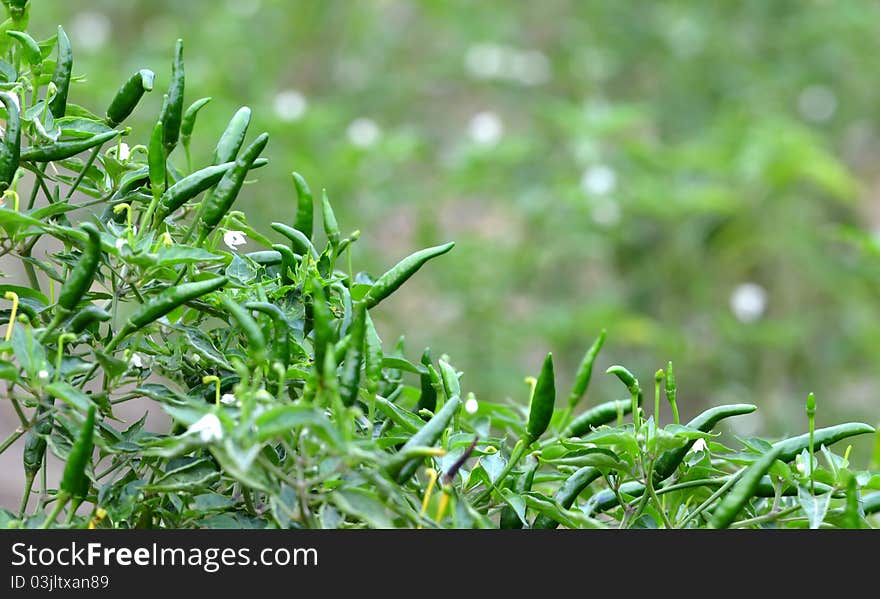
<point x="61" y="76"/>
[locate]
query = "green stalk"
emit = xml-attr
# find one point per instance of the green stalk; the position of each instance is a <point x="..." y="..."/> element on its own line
<point x="60" y="501"/>
<point x="811" y="416"/>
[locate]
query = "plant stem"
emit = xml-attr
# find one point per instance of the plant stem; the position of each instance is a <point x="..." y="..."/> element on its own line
<point x="28" y="485"/>
<point x="82" y="172"/>
<point x="721" y="490"/>
<point x="765" y="518"/>
<point x="53" y="515"/>
<point x="12" y="438"/>
<point x="649" y="484"/>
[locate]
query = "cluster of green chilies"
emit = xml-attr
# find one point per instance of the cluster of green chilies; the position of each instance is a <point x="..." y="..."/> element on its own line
<point x="346" y="362"/>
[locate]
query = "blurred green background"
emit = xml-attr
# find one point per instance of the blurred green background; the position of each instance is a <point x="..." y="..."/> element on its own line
<point x="692" y="176"/>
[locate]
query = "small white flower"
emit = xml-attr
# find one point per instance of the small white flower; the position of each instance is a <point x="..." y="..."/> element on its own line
<point x="599" y="180"/>
<point x="228" y="399"/>
<point x="43" y="375"/>
<point x="196" y="358"/>
<point x="748" y="302"/>
<point x="486" y="128"/>
<point x="233" y="239"/>
<point x="699" y="445"/>
<point x="290" y="105"/>
<point x="135" y="361"/>
<point x="208" y="428"/>
<point x="363" y="132"/>
<point x="123" y="152"/>
<point x="471" y="405"/>
<point x="121" y="241"/>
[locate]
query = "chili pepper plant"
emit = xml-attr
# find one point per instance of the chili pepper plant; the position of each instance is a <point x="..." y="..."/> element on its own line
<point x="125" y="280"/>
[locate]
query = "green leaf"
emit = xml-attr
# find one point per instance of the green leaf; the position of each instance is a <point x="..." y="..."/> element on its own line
<point x="281" y="419"/>
<point x="398" y="363"/>
<point x="241" y="270"/>
<point x="69" y="395"/>
<point x="74" y="126"/>
<point x="364" y="505"/>
<point x="614" y="437"/>
<point x="516" y="503"/>
<point x="814" y="506"/>
<point x="177" y="254"/>
<point x="493" y="464"/>
<point x="192" y="476"/>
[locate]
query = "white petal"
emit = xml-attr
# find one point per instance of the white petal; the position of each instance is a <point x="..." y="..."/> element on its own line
<point x="227" y="398"/>
<point x="363" y="132"/>
<point x="208" y="428"/>
<point x="486" y="128"/>
<point x="471" y="406"/>
<point x="234" y="239"/>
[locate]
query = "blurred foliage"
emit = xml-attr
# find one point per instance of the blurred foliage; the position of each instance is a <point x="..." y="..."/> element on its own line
<point x="625" y="165"/>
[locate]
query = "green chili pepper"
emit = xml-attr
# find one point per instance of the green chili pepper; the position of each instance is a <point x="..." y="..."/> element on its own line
<point x="18" y="9"/>
<point x="543" y="400"/>
<point x="448" y="377"/>
<point x="233" y="136"/>
<point x="871" y="503"/>
<point x="389" y="282"/>
<point x="35" y="440"/>
<point x="823" y="436"/>
<point x="156" y="160"/>
<point x="190" y="186"/>
<point x="288" y="261"/>
<point x="323" y="331"/>
<point x="606" y="499"/>
<point x="331" y="227"/>
<point x="74" y="481"/>
<point x="743" y="490"/>
<point x="351" y="374"/>
<point x="188" y="121"/>
<point x="128" y="96"/>
<point x="852" y="519"/>
<point x="372" y="356"/>
<point x="81" y="276"/>
<point x="170" y="299"/>
<point x="304" y="206"/>
<point x="428" y="395"/>
<point x="29" y="48"/>
<point x="85" y="317"/>
<point x="298" y="240"/>
<point x="221" y="198"/>
<point x="811" y="417"/>
<point x="597" y="416"/>
<point x="281" y="341"/>
<point x="400" y="467"/>
<point x="61" y="76"/>
<point x="668" y="461"/>
<point x="265" y="257"/>
<point x="568" y="493"/>
<point x="632" y="385"/>
<point x="10" y="150"/>
<point x="256" y="341"/>
<point x="65" y="149"/>
<point x="585" y="371"/>
<point x="670" y="392"/>
<point x="172" y="108"/>
<point x="509" y="518"/>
